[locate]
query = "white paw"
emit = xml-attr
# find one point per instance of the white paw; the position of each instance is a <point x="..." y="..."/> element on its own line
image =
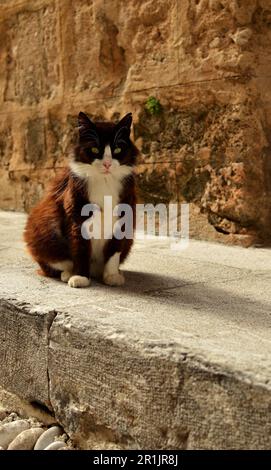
<point x="116" y="279"/>
<point x="65" y="276"/>
<point x="79" y="281"/>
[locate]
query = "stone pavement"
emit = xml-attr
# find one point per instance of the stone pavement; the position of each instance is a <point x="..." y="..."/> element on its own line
<point x="179" y="357"/>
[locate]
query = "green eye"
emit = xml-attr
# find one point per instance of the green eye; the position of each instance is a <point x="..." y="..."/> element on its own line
<point x="95" y="150"/>
<point x="117" y="150"/>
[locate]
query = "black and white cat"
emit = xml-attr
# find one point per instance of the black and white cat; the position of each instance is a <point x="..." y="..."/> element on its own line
<point x="102" y="166"/>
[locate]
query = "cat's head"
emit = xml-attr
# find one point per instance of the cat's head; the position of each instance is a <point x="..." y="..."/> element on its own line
<point x="105" y="147"/>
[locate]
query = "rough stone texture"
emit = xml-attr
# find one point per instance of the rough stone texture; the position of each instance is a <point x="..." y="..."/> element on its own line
<point x="24" y="331"/>
<point x="179" y="357"/>
<point x="207" y="61"/>
<point x="25" y="361"/>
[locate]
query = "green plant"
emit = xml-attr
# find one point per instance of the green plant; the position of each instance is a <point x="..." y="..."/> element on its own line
<point x="153" y="106"/>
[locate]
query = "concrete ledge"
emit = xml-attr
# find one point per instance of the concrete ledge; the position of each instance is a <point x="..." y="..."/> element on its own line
<point x="24" y="350"/>
<point x="180" y="357"/>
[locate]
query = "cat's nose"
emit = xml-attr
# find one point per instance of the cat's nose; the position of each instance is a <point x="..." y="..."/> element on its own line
<point x="107" y="164"/>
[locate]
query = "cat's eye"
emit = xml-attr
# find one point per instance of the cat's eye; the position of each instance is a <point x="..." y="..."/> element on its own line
<point x="117" y="150"/>
<point x="95" y="150"/>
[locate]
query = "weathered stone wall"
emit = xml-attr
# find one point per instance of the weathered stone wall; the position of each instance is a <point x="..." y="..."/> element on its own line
<point x="208" y="62"/>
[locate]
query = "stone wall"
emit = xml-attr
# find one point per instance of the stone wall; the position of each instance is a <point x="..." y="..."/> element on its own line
<point x="207" y="62"/>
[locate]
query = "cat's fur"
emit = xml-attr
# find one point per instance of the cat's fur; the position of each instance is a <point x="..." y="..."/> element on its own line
<point x="53" y="231"/>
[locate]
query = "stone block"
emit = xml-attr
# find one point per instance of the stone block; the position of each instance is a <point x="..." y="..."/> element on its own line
<point x="32" y="55"/>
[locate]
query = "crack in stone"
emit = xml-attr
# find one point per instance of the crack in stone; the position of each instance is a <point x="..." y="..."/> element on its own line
<point x="50" y="320"/>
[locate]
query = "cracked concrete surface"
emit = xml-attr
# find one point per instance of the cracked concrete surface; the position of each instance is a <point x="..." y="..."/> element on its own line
<point x="180" y="357"/>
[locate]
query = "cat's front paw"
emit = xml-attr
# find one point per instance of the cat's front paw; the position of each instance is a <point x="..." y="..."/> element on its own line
<point x="116" y="279"/>
<point x="79" y="281"/>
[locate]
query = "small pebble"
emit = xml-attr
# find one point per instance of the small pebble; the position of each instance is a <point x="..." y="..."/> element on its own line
<point x="57" y="445"/>
<point x="48" y="437"/>
<point x="9" y="431"/>
<point x="10" y="417"/>
<point x="13" y="416"/>
<point x="26" y="439"/>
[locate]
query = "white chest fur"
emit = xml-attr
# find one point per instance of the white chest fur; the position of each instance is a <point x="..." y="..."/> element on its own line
<point x="97" y="190"/>
<point x="99" y="186"/>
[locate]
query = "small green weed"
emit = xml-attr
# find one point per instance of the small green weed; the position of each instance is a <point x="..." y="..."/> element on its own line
<point x="153" y="106"/>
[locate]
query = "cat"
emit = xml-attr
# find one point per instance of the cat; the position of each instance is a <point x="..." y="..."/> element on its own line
<point x="102" y="165"/>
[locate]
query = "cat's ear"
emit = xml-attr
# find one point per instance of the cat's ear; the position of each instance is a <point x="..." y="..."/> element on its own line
<point x="126" y="122"/>
<point x="87" y="128"/>
<point x="84" y="121"/>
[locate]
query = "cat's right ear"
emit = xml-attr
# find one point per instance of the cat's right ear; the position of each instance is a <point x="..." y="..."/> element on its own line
<point x="84" y="121"/>
<point x="86" y="126"/>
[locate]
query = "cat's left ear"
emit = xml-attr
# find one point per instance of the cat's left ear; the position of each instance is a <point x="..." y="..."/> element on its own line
<point x="126" y="122"/>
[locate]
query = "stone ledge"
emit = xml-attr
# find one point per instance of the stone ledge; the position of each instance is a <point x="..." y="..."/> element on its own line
<point x="177" y="358"/>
